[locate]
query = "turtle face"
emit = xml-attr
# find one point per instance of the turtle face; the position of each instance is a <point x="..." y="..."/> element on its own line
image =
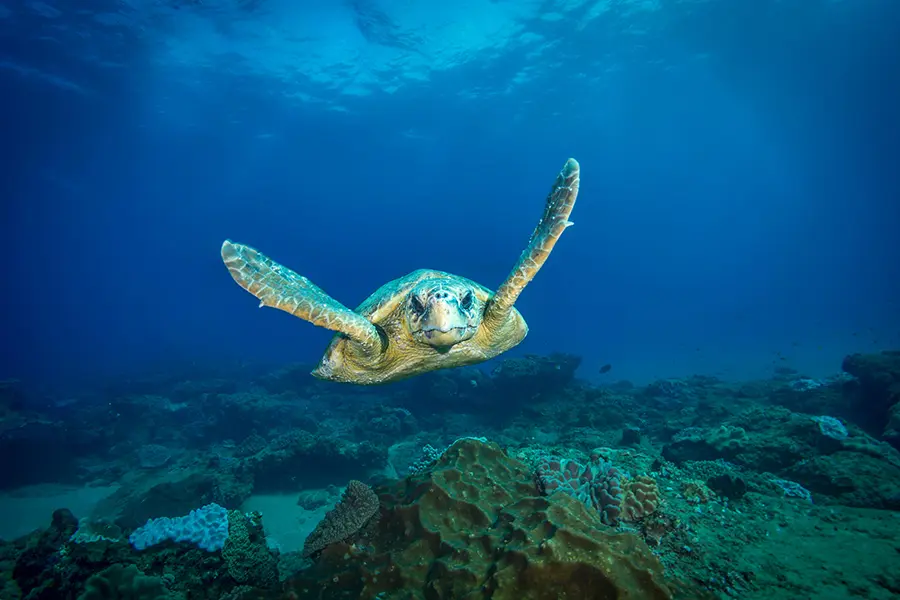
<point x="442" y="313"/>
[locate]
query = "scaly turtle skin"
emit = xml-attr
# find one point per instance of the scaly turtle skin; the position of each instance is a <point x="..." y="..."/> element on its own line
<point x="422" y="322"/>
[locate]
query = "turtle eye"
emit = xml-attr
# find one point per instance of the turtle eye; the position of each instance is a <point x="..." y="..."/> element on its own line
<point x="467" y="301"/>
<point x="416" y="304"/>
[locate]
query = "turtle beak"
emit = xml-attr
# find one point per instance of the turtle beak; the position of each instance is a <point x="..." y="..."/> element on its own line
<point x="444" y="323"/>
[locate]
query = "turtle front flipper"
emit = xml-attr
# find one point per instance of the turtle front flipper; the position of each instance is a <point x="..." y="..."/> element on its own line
<point x="555" y="220"/>
<point x="279" y="287"/>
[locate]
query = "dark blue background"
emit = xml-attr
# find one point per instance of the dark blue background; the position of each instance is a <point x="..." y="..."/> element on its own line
<point x="739" y="199"/>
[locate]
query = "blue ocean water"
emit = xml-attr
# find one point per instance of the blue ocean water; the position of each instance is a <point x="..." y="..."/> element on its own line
<point x="707" y="403"/>
<point x="739" y="201"/>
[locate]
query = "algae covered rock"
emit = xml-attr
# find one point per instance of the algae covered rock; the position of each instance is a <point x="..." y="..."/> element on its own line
<point x="119" y="582"/>
<point x="851" y="478"/>
<point x="246" y="555"/>
<point x="878" y="378"/>
<point x="475" y="526"/>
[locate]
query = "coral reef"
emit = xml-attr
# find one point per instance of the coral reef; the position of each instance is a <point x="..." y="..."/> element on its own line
<point x="357" y="506"/>
<point x="751" y="489"/>
<point x="126" y="583"/>
<point x="601" y="486"/>
<point x="247" y="558"/>
<point x="474" y="524"/>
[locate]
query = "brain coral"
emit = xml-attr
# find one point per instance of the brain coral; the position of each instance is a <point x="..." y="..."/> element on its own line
<point x="475" y="527"/>
<point x="600" y="485"/>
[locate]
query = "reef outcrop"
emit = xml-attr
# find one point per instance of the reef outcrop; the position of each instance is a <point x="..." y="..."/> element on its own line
<point x="474" y="526"/>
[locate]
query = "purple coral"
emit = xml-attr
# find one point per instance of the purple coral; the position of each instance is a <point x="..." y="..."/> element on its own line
<point x="597" y="484"/>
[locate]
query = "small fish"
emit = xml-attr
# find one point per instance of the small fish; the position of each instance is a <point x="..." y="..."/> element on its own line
<point x="605" y="369"/>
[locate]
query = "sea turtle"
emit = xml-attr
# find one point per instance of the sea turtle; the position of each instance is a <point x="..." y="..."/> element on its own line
<point x="422" y="322"/>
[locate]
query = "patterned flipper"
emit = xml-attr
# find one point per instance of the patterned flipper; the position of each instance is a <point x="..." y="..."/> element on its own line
<point x="555" y="220"/>
<point x="279" y="287"/>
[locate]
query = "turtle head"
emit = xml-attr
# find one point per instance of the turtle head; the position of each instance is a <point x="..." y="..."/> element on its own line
<point x="441" y="312"/>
